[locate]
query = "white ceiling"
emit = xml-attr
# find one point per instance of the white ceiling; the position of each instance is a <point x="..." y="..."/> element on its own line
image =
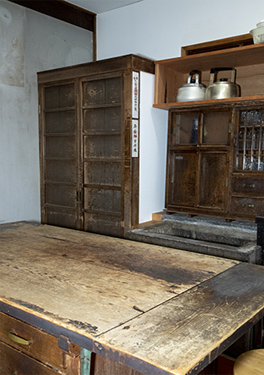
<point x="100" y="6"/>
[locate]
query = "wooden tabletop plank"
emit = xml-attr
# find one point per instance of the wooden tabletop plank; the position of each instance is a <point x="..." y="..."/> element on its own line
<point x="70" y="275"/>
<point x="186" y="333"/>
<point x="92" y="284"/>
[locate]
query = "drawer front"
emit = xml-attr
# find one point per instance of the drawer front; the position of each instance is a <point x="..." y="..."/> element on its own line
<point x="37" y="343"/>
<point x="250" y="186"/>
<point x="14" y="362"/>
<point x="248" y="207"/>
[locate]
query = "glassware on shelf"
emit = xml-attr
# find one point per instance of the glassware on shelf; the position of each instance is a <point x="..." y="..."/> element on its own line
<point x="250" y="140"/>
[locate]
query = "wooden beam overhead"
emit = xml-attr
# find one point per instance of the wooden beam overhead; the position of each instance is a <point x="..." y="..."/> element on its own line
<point x="63" y="11"/>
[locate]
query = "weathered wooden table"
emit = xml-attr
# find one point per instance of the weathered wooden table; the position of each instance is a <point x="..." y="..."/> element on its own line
<point x="155" y="309"/>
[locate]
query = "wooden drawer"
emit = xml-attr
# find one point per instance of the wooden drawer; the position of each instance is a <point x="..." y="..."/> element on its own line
<point x="248" y="186"/>
<point x="248" y="207"/>
<point x="13" y="361"/>
<point x="42" y="346"/>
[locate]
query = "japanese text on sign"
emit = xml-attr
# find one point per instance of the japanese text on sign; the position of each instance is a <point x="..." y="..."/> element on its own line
<point x="134" y="138"/>
<point x="135" y="94"/>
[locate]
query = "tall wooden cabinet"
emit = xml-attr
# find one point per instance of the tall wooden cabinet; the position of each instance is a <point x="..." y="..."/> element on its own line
<point x="215" y="160"/>
<point x="89" y="129"/>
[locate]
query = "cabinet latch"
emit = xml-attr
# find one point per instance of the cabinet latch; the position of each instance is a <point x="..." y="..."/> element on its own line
<point x="69" y="348"/>
<point x="63" y="343"/>
<point x="79" y="196"/>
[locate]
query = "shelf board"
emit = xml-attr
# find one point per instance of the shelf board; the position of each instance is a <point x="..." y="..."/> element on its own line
<point x="238" y="101"/>
<point x="240" y="56"/>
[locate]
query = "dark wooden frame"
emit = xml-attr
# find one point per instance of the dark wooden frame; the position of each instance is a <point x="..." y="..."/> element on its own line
<point x="216" y="45"/>
<point x="123" y="66"/>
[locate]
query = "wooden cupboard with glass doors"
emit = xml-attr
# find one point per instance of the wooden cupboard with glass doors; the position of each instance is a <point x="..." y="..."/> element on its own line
<point x="215" y="153"/>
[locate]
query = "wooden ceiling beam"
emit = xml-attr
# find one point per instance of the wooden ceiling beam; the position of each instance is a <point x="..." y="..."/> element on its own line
<point x="63" y="11"/>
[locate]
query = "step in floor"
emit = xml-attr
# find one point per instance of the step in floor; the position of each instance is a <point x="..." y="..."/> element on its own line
<point x="233" y="240"/>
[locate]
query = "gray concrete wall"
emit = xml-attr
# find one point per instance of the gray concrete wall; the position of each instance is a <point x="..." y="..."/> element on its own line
<point x="29" y="42"/>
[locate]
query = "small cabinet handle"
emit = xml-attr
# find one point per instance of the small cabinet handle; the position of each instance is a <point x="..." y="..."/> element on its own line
<point x="18" y="340"/>
<point x="79" y="196"/>
<point x="249" y="185"/>
<point x="248" y="205"/>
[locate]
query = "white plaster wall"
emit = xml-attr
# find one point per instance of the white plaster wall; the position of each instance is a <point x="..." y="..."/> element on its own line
<point x="152" y="155"/>
<point x="30" y="42"/>
<point x="157" y="29"/>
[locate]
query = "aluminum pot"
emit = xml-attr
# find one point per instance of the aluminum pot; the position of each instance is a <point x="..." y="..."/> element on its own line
<point x="222" y="89"/>
<point x="193" y="89"/>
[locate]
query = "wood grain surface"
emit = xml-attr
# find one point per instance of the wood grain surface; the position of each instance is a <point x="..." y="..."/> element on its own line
<point x="96" y="280"/>
<point x="155" y="309"/>
<point x="196" y="326"/>
<point x="251" y="362"/>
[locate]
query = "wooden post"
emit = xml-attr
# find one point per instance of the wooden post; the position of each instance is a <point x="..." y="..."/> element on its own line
<point x="260" y="234"/>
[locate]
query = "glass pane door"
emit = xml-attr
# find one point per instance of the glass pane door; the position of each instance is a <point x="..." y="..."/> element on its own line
<point x="216" y="128"/>
<point x="250" y="155"/>
<point x="185" y="128"/>
<point x="182" y="189"/>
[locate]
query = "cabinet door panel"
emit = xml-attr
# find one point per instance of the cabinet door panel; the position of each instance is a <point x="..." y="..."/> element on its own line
<point x="61" y="216"/>
<point x="102" y="155"/>
<point x="63" y="171"/>
<point x="60" y="122"/>
<point x="184" y="128"/>
<point x="216" y="127"/>
<point x="94" y="92"/>
<point x="103" y="223"/>
<point x="105" y="200"/>
<point x="182" y="188"/>
<point x="102" y="173"/>
<point x="108" y="146"/>
<point x="60" y="195"/>
<point x="102" y="120"/>
<point x="60" y="156"/>
<point x="213" y="179"/>
<point x="14" y="362"/>
<point x="60" y="147"/>
<point x="250" y="151"/>
<point x="59" y="96"/>
<point x="113" y="90"/>
<point x="102" y="91"/>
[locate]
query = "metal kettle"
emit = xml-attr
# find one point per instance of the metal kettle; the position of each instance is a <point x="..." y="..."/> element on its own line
<point x="222" y="89"/>
<point x="193" y="89"/>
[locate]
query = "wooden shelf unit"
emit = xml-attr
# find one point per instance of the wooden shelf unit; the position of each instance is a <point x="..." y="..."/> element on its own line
<point x="222" y="175"/>
<point x="171" y="74"/>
